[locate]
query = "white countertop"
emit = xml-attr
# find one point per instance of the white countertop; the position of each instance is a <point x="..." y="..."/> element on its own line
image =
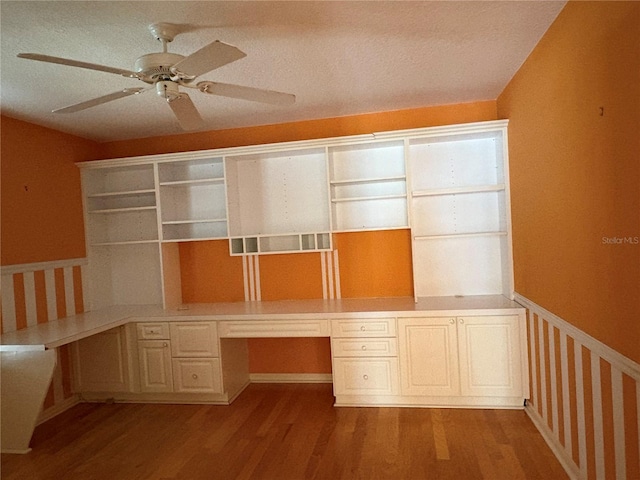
<point x="70" y="329"/>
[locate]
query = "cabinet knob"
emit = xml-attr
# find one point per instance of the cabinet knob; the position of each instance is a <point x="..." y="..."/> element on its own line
<point x="366" y="377"/>
<point x="194" y="376"/>
<point x="462" y="320"/>
<point x="364" y="347"/>
<point x="362" y="328"/>
<point x="452" y="321"/>
<point x="165" y="344"/>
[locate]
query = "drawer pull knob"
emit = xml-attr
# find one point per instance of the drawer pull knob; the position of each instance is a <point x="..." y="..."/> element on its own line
<point x="165" y="344"/>
<point x="366" y="377"/>
<point x="364" y="347"/>
<point x="462" y="320"/>
<point x="452" y="321"/>
<point x="194" y="376"/>
<point x="362" y="328"/>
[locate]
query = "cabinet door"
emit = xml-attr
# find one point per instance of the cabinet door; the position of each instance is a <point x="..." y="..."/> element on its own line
<point x="490" y="361"/>
<point x="428" y="356"/>
<point x="194" y="339"/>
<point x="101" y="362"/>
<point x="155" y="366"/>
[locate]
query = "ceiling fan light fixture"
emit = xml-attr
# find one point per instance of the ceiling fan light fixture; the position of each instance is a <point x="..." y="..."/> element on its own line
<point x="167" y="90"/>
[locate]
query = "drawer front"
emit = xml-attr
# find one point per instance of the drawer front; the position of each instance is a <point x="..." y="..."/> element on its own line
<point x="274" y="328"/>
<point x="365" y="376"/>
<point x="374" y="327"/>
<point x="153" y="331"/>
<point x="194" y="339"/>
<point x="364" y="347"/>
<point x="197" y="375"/>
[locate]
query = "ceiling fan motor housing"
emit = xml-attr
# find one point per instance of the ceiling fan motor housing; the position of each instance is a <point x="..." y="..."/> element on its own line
<point x="157" y="66"/>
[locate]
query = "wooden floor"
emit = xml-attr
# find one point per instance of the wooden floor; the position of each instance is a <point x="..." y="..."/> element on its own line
<point x="283" y="432"/>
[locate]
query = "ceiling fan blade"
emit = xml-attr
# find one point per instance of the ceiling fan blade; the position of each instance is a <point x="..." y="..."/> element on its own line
<point x="208" y="58"/>
<point x="100" y="100"/>
<point x="247" y="93"/>
<point x="76" y="63"/>
<point x="186" y="112"/>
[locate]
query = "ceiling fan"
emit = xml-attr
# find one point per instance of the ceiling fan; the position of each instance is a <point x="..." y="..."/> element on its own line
<point x="167" y="72"/>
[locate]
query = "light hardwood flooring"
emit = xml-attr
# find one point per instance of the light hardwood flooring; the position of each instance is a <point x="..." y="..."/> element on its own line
<point x="283" y="432"/>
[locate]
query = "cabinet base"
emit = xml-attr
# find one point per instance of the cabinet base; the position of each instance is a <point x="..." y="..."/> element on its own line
<point x="173" y="398"/>
<point x="515" y="403"/>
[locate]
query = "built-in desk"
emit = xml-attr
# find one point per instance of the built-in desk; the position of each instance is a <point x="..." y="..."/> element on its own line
<point x="376" y="345"/>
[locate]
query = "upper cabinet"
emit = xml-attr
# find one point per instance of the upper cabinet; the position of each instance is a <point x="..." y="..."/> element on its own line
<point x="192" y="200"/>
<point x="460" y="217"/>
<point x="278" y="201"/>
<point x="368" y="186"/>
<point x="121" y="205"/>
<point x="449" y="185"/>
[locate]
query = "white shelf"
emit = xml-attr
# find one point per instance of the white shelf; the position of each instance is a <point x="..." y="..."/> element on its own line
<point x="122" y="210"/>
<point x="286" y="243"/>
<point x="187" y="222"/>
<point x="363" y="199"/>
<point x="357" y="181"/>
<point x="121" y="193"/>
<point x="459" y="235"/>
<point x="126" y="242"/>
<point x="203" y="181"/>
<point x="459" y="190"/>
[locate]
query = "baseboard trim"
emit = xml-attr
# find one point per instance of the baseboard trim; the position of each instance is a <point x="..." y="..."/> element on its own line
<point x="58" y="408"/>
<point x="554" y="444"/>
<point x="291" y="378"/>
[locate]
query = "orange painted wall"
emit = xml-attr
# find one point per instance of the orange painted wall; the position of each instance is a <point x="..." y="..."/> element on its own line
<point x="305" y="130"/>
<point x="41" y="204"/>
<point x="575" y="171"/>
<point x="375" y="264"/>
<point x="209" y="274"/>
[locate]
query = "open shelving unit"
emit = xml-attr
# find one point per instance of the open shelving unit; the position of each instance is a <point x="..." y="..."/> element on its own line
<point x="192" y="200"/>
<point x="449" y="185"/>
<point x="278" y="202"/>
<point x="460" y="217"/>
<point x="122" y="235"/>
<point x="368" y="186"/>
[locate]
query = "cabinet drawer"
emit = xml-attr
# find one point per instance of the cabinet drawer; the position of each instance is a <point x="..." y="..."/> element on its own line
<point x="365" y="376"/>
<point x="374" y="327"/>
<point x="364" y="347"/>
<point x="194" y="339"/>
<point x="197" y="375"/>
<point x="153" y="331"/>
<point x="274" y="328"/>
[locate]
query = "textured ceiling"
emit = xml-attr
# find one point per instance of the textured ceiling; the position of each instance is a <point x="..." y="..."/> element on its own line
<point x="338" y="58"/>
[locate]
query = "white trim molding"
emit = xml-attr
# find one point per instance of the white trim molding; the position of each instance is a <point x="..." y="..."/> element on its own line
<point x="543" y="356"/>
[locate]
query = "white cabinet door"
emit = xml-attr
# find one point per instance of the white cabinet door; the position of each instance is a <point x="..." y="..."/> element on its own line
<point x="194" y="339"/>
<point x="490" y="363"/>
<point x="155" y="366"/>
<point x="101" y="362"/>
<point x="428" y="356"/>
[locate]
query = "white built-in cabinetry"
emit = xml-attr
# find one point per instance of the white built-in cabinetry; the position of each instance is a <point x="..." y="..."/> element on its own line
<point x="101" y="362"/>
<point x="368" y="186"/>
<point x="448" y="185"/>
<point x="460" y="215"/>
<point x="192" y="199"/>
<point x="471" y="356"/>
<point x="365" y="357"/>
